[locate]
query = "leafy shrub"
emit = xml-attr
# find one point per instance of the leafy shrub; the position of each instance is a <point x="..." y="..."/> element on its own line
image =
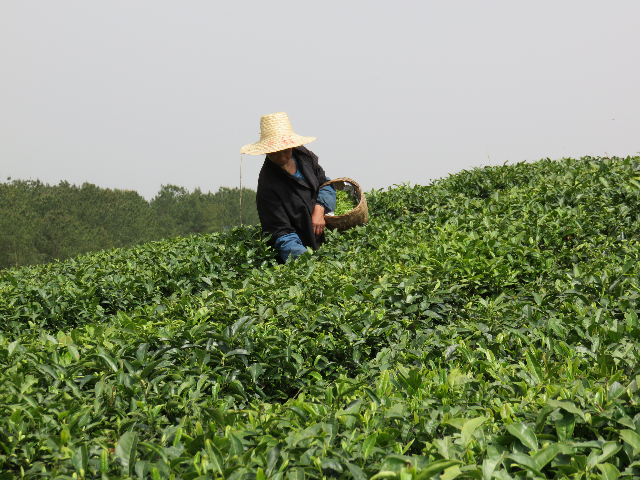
<point x="482" y="326"/>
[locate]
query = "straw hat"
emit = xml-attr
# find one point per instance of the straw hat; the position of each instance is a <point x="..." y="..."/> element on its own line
<point x="275" y="135"/>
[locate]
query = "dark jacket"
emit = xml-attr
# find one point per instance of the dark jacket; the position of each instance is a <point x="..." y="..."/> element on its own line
<point x="285" y="203"/>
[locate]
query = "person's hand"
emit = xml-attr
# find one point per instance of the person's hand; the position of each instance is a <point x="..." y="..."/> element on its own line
<point x="317" y="219"/>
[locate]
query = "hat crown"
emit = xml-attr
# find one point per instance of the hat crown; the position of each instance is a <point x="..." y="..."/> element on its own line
<point x="275" y="124"/>
<point x="275" y="134"/>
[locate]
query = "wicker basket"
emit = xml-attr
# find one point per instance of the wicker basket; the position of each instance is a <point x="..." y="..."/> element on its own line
<point x="355" y="217"/>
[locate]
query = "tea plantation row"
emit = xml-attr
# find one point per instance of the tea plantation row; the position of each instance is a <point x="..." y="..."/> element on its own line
<point x="484" y="326"/>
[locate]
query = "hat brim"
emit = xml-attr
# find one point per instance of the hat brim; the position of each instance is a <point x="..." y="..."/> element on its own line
<point x="275" y="144"/>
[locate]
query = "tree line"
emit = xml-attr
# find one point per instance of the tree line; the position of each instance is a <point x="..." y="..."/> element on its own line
<point x="41" y="223"/>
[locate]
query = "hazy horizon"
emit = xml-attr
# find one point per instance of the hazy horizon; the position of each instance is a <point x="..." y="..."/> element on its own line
<point x="134" y="95"/>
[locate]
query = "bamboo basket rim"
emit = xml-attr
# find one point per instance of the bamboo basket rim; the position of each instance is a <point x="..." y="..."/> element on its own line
<point x="357" y="187"/>
<point x="358" y="215"/>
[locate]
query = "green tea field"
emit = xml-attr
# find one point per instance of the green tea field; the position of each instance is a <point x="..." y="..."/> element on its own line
<point x="483" y="326"/>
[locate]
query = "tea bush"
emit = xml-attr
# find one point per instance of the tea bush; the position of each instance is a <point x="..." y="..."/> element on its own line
<point x="484" y="326"/>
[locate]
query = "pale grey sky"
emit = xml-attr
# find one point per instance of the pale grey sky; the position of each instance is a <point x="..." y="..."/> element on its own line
<point x="133" y="94"/>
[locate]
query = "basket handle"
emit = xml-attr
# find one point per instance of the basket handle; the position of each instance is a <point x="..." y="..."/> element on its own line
<point x="342" y="179"/>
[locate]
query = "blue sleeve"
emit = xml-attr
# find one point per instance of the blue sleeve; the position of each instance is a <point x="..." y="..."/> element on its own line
<point x="327" y="198"/>
<point x="290" y="244"/>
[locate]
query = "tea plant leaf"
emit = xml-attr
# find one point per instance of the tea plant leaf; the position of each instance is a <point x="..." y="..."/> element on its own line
<point x="80" y="460"/>
<point x="236" y="445"/>
<point x="332" y="465"/>
<point x="633" y="439"/>
<point x="12" y="346"/>
<point x="543" y="456"/>
<point x="214" y="455"/>
<point x="109" y="361"/>
<point x="542" y="416"/>
<point x="568" y="406"/>
<point x="255" y="371"/>
<point x="351" y="409"/>
<point x="272" y="458"/>
<point x="534" y="367"/>
<point x="469" y="428"/>
<point x="526" y="462"/>
<point x="525" y="434"/>
<point x="296" y="474"/>
<point x="436" y="467"/>
<point x="238" y="351"/>
<point x="565" y="426"/>
<point x="235" y="328"/>
<point x="149" y="368"/>
<point x="608" y="450"/>
<point x="141" y="468"/>
<point x="349" y="291"/>
<point x="452" y="473"/>
<point x="369" y="444"/>
<point x="356" y="471"/>
<point x="126" y="451"/>
<point x="385" y="474"/>
<point x="609" y="472"/>
<point x="489" y="465"/>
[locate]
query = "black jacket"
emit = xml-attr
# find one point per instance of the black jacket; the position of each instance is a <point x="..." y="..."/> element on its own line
<point x="285" y="203"/>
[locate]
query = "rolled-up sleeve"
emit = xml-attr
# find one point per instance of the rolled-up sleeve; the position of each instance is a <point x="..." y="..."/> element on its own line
<point x="327" y="197"/>
<point x="290" y="245"/>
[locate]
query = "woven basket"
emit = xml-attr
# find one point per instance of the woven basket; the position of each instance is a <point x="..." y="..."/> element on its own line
<point x="355" y="217"/>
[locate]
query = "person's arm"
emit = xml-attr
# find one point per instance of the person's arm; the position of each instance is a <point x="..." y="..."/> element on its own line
<point x="327" y="198"/>
<point x="317" y="216"/>
<point x="317" y="220"/>
<point x="325" y="204"/>
<point x="290" y="245"/>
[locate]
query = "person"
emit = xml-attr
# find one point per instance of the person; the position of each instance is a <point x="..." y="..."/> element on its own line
<point x="291" y="203"/>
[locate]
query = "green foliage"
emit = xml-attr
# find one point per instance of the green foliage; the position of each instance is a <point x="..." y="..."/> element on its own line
<point x="180" y="213"/>
<point x="484" y="326"/>
<point x="344" y="202"/>
<point x="40" y="223"/>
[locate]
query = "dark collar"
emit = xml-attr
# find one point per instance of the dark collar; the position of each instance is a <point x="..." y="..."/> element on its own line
<point x="304" y="164"/>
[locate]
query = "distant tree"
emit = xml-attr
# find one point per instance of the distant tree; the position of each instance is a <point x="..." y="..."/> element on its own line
<point x="18" y="221"/>
<point x="41" y="223"/>
<point x="179" y="212"/>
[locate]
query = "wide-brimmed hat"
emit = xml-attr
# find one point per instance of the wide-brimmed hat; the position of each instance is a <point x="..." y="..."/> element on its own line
<point x="275" y="134"/>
